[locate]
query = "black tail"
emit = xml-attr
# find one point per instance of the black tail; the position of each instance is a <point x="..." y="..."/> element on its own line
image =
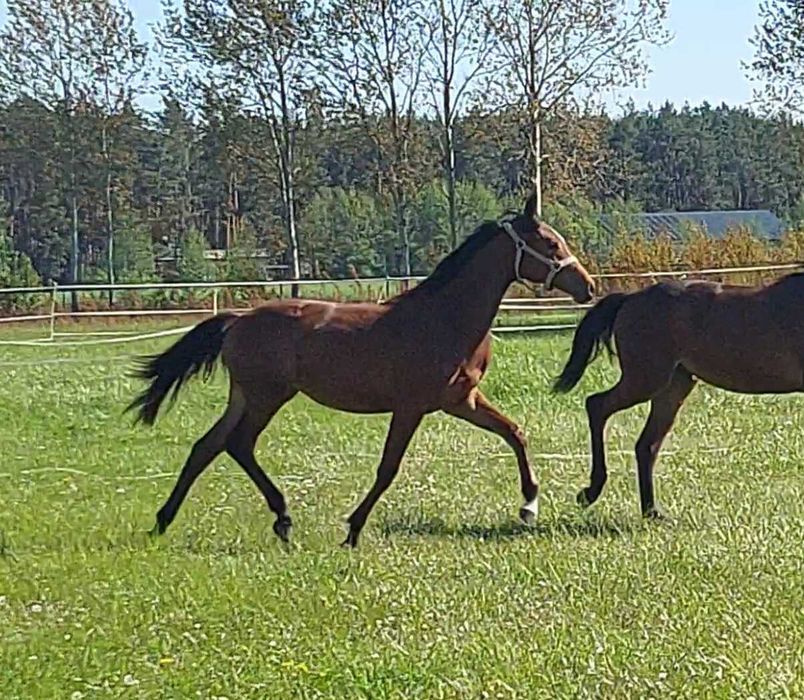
<point x="194" y="352"/>
<point x="594" y="330"/>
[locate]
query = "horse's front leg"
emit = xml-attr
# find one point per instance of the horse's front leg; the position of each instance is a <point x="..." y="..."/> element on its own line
<point x="477" y="410"/>
<point x="403" y="425"/>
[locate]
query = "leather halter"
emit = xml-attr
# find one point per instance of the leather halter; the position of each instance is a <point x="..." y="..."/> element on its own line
<point x="554" y="266"/>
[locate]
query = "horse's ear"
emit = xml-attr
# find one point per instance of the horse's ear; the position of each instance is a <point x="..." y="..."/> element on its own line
<point x="530" y="207"/>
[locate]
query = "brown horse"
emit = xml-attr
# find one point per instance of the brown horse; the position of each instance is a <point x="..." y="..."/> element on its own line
<point x="743" y="339"/>
<point x="423" y="351"/>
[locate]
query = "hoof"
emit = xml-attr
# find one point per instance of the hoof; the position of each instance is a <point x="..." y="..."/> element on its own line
<point x="282" y="527"/>
<point x="583" y="499"/>
<point x="351" y="540"/>
<point x="157" y="530"/>
<point x="529" y="512"/>
<point x="657" y="516"/>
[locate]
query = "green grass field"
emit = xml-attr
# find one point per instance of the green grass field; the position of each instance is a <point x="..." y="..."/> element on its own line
<point x="447" y="597"/>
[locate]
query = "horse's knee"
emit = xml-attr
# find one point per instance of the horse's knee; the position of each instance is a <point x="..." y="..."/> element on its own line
<point x="518" y="435"/>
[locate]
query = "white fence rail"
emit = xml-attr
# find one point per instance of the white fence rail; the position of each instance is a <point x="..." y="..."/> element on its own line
<point x="556" y="305"/>
<point x="286" y="284"/>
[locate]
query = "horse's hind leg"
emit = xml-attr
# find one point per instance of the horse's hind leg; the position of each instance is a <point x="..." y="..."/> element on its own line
<point x="633" y="388"/>
<point x="260" y="409"/>
<point x="599" y="408"/>
<point x="202" y="453"/>
<point x="663" y="410"/>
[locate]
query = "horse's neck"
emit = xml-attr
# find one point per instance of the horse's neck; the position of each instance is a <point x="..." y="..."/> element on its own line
<point x="465" y="306"/>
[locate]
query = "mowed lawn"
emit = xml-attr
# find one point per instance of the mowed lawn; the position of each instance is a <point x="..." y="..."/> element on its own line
<point x="447" y="597"/>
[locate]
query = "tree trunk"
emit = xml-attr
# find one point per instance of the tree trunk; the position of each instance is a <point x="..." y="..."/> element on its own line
<point x="109" y="214"/>
<point x="537" y="183"/>
<point x="449" y="133"/>
<point x="217" y="225"/>
<point x="293" y="241"/>
<point x="534" y="113"/>
<point x="186" y="207"/>
<point x="235" y="232"/>
<point x="75" y="252"/>
<point x="286" y="167"/>
<point x="449" y="171"/>
<point x="400" y="222"/>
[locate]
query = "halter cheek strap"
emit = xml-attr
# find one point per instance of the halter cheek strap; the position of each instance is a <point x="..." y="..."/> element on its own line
<point x="554" y="266"/>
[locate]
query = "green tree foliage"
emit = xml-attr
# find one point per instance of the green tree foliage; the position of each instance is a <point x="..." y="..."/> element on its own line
<point x="368" y="166"/>
<point x="192" y="264"/>
<point x="430" y="218"/>
<point x="133" y="252"/>
<point x="779" y="60"/>
<point x="16" y="270"/>
<point x="242" y="261"/>
<point x="175" y="176"/>
<point x="346" y="232"/>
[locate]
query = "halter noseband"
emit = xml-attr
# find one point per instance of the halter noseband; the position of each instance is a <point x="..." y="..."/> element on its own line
<point x="554" y="266"/>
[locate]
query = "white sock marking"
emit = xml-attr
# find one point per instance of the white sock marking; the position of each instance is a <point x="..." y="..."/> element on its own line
<point x="532" y="507"/>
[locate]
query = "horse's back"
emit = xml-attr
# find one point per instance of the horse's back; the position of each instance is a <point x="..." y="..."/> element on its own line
<point x="747" y="339"/>
<point x="789" y="293"/>
<point x="743" y="338"/>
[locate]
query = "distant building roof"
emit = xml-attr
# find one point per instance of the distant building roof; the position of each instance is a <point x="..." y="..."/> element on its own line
<point x="762" y="222"/>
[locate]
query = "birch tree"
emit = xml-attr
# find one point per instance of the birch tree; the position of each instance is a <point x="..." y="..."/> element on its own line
<point x="45" y="57"/>
<point x="371" y="58"/>
<point x="549" y="52"/>
<point x="118" y="61"/>
<point x="254" y="53"/>
<point x="455" y="54"/>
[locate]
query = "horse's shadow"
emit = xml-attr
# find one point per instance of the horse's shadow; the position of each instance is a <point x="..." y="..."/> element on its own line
<point x="580" y="527"/>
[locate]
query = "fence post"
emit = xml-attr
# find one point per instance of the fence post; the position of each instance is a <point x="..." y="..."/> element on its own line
<point x="53" y="310"/>
<point x="215" y="301"/>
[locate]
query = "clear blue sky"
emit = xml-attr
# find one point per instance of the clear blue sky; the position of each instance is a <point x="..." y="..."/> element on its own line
<point x="702" y="62"/>
<point x="710" y="39"/>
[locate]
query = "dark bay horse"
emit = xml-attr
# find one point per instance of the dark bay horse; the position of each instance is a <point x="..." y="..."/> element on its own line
<point x="744" y="339"/>
<point x="420" y="352"/>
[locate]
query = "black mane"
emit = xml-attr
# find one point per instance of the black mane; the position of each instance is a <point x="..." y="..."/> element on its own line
<point x="449" y="267"/>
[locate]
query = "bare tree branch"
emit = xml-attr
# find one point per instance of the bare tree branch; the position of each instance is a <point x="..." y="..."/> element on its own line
<point x="546" y="52"/>
<point x="259" y="49"/>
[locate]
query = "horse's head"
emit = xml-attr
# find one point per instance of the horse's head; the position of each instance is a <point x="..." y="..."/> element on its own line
<point x="541" y="255"/>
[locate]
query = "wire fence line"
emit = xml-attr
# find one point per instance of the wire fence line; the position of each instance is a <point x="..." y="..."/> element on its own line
<point x="776" y="267"/>
<point x="558" y="306"/>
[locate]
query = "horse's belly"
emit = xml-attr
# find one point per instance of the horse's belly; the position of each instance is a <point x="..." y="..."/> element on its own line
<point x="779" y="377"/>
<point x="353" y="399"/>
<point x="361" y="374"/>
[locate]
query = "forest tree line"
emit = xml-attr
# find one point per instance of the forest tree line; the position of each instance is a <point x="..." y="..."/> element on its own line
<point x="364" y="138"/>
